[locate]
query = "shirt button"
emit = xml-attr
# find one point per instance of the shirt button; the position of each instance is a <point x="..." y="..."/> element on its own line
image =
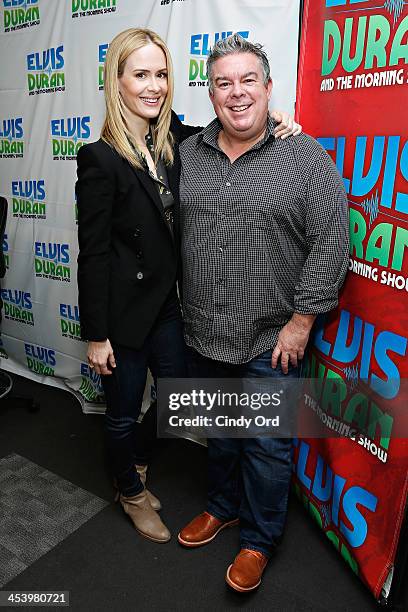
<point x="136" y="233"/>
<point x="228" y="184"/>
<point x="221" y="250"/>
<point x="139" y="275"/>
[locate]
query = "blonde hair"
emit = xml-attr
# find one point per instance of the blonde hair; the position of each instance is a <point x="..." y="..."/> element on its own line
<point x="115" y="130"/>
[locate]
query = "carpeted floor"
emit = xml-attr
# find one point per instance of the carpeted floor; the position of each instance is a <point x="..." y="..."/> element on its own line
<point x="38" y="510"/>
<point x="87" y="546"/>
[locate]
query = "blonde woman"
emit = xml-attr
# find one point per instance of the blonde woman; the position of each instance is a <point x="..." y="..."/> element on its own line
<point x="127" y="193"/>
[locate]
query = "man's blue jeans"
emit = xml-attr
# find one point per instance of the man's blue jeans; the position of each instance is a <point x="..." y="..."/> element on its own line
<point x="248" y="478"/>
<point x="129" y="442"/>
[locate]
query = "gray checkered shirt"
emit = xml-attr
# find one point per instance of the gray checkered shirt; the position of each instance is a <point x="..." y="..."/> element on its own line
<point x="263" y="237"/>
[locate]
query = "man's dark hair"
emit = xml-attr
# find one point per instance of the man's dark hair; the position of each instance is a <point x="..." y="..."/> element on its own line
<point x="237" y="44"/>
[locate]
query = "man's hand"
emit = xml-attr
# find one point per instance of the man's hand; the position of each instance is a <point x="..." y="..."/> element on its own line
<point x="286" y="125"/>
<point x="100" y="354"/>
<point x="292" y="341"/>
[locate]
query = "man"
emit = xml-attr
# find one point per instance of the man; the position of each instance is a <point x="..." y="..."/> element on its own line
<point x="265" y="249"/>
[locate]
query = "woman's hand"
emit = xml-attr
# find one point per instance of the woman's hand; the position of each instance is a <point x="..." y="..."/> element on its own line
<point x="99" y="355"/>
<point x="287" y="126"/>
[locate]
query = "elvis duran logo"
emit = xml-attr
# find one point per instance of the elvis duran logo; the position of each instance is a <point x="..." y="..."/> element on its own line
<point x="394" y="7"/>
<point x="20" y="14"/>
<point x="353" y="42"/>
<point x="69" y="321"/>
<point x="336" y="505"/>
<point x="377" y="253"/>
<point x="11" y="137"/>
<point x="6" y="251"/>
<point x="68" y="135"/>
<point x="360" y="351"/>
<point x="40" y="359"/>
<point x="45" y="73"/>
<point x="378" y="250"/>
<point x="87" y="8"/>
<point x="17" y="306"/>
<point x="91" y="386"/>
<point x="29" y="199"/>
<point x="102" y="49"/>
<point x="200" y="45"/>
<point x="372" y="347"/>
<point x="370" y="155"/>
<point x="51" y="260"/>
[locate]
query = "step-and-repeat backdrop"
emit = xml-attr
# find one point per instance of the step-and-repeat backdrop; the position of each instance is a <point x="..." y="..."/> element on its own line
<point x="51" y="103"/>
<point x="353" y="69"/>
<point x="353" y="97"/>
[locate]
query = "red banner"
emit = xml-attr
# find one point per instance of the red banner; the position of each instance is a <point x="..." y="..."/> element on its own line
<point x="353" y="97"/>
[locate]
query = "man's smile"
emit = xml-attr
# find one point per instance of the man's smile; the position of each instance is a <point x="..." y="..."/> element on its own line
<point x="239" y="108"/>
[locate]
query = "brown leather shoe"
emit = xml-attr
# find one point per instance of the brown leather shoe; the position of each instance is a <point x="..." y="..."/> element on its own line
<point x="202" y="530"/>
<point x="246" y="572"/>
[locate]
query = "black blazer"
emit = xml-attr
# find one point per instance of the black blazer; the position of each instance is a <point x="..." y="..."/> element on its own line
<point x="128" y="259"/>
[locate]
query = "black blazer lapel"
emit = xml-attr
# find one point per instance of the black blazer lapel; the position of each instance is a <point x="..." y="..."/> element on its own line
<point x="151" y="189"/>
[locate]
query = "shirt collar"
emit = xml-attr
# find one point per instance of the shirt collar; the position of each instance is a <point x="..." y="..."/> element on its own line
<point x="209" y="135"/>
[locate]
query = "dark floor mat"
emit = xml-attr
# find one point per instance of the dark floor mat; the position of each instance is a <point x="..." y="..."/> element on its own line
<point x="38" y="509"/>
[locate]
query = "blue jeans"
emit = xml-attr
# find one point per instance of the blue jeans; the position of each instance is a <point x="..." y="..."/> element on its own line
<point x="248" y="478"/>
<point x="129" y="442"/>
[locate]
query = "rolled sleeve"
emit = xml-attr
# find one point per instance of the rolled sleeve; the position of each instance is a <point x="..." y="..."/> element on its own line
<point x="327" y="236"/>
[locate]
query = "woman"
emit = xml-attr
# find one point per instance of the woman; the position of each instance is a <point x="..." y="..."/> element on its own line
<point x="127" y="193"/>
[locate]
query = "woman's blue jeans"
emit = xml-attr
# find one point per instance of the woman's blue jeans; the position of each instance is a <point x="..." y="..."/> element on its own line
<point x="248" y="478"/>
<point x="129" y="442"/>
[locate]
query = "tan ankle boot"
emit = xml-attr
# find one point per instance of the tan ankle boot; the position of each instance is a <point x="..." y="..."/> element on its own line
<point x="146" y="520"/>
<point x="142" y="471"/>
<point x="154" y="502"/>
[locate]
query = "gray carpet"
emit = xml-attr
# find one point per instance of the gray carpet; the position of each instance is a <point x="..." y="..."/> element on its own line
<point x="107" y="566"/>
<point x="38" y="509"/>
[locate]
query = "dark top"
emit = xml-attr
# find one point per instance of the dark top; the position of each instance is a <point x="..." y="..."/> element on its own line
<point x="161" y="180"/>
<point x="128" y="259"/>
<point x="263" y="237"/>
<point x="171" y="307"/>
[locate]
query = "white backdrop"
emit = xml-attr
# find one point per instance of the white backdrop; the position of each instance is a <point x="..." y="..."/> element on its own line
<point x="51" y="102"/>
